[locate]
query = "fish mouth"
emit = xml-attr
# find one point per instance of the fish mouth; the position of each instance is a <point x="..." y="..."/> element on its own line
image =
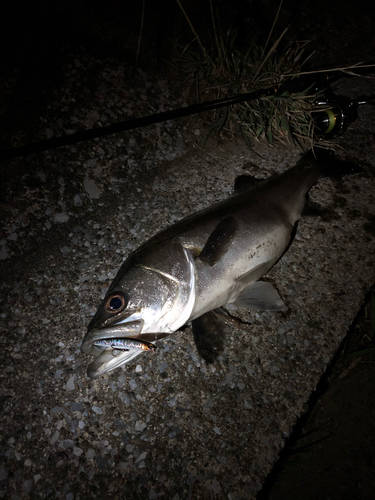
<point x="131" y="329"/>
<point x="109" y="359"/>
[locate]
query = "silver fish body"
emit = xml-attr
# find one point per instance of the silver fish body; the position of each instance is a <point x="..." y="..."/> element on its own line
<point x="201" y="263"/>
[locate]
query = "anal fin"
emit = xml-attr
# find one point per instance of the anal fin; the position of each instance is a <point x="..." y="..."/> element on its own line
<point x="260" y="296"/>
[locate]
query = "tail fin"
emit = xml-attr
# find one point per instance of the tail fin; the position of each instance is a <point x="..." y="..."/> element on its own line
<point x="331" y="166"/>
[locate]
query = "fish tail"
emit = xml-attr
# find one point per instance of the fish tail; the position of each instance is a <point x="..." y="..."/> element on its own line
<point x="327" y="164"/>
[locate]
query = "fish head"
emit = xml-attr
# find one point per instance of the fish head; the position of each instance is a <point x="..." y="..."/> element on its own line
<point x="150" y="298"/>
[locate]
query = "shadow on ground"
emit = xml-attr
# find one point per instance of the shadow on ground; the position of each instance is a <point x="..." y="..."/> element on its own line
<point x="331" y="451"/>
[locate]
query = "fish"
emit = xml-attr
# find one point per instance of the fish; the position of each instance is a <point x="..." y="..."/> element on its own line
<point x="189" y="271"/>
<point x="124" y="343"/>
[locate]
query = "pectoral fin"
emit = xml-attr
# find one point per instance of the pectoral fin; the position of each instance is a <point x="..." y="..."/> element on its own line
<point x="209" y="333"/>
<point x="219" y="241"/>
<point x="260" y="296"/>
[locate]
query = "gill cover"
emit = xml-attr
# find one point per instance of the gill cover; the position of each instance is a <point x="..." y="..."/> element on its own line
<point x="162" y="284"/>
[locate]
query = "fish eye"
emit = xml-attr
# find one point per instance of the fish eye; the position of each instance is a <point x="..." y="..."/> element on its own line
<point x="115" y="303"/>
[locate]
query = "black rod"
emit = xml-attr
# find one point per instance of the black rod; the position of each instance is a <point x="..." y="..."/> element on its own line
<point x="133" y="123"/>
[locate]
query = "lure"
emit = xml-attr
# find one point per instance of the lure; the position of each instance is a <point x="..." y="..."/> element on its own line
<point x="125" y="344"/>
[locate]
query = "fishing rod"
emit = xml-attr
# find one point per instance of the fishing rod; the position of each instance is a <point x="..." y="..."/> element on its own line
<point x="332" y="116"/>
<point x="132" y="123"/>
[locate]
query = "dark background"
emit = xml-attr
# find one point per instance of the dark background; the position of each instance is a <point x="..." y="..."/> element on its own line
<point x="38" y="36"/>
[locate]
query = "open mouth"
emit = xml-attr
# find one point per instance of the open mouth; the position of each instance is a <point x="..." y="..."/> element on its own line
<point x="109" y="357"/>
<point x="131" y="329"/>
<point x="109" y="360"/>
<point x="116" y="345"/>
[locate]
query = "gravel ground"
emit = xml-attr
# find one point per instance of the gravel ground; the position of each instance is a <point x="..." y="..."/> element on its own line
<point x="168" y="425"/>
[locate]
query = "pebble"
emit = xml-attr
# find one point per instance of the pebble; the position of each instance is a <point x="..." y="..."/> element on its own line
<point x="3" y="473"/>
<point x="71" y="383"/>
<point x="27" y="485"/>
<point x="55" y="437"/>
<point x="91" y="188"/>
<point x="77" y="200"/>
<point x="76" y="406"/>
<point x="77" y="451"/>
<point x="61" y="217"/>
<point x="163" y="366"/>
<point x="142" y="456"/>
<point x="172" y="402"/>
<point x="140" y="426"/>
<point x="133" y="384"/>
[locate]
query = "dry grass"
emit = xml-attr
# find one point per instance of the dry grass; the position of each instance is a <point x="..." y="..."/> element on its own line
<point x="223" y="68"/>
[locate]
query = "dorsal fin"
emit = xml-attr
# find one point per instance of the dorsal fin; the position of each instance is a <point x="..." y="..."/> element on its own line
<point x="245" y="182"/>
